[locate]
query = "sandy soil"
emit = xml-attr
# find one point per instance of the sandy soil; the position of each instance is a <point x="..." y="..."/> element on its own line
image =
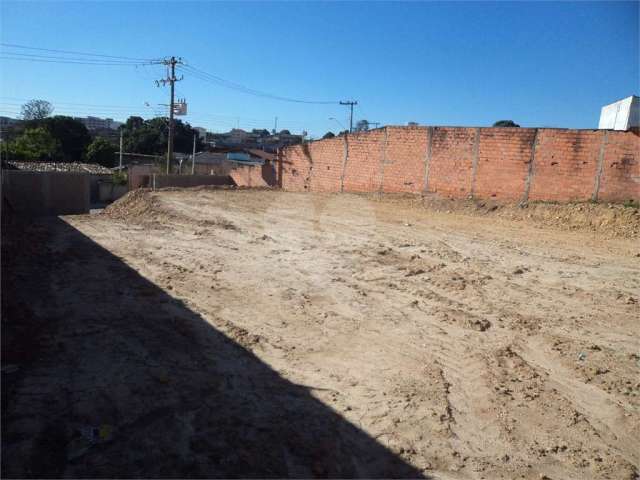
<point x="261" y="333"/>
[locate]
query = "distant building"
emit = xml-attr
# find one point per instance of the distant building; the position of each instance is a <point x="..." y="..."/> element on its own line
<point x="256" y="139"/>
<point x="621" y="115"/>
<point x="237" y="136"/>
<point x="96" y="123"/>
<point x="8" y="121"/>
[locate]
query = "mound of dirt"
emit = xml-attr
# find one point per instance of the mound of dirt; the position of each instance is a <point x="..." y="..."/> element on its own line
<point x="608" y="219"/>
<point x="136" y="203"/>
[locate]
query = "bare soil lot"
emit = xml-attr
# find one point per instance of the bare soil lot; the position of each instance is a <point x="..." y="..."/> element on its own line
<point x="220" y="333"/>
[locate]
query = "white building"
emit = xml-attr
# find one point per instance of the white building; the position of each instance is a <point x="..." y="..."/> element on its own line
<point x="95" y="123"/>
<point x="621" y="115"/>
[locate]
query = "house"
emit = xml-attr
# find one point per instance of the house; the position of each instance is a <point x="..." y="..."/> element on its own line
<point x="256" y="139"/>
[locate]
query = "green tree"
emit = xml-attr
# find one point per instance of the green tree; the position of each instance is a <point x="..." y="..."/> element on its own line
<point x="36" y="110"/>
<point x="73" y="136"/>
<point x="328" y="135"/>
<point x="34" y="144"/>
<point x="506" y="123"/>
<point x="285" y="132"/>
<point x="103" y="152"/>
<point x="150" y="136"/>
<point x="133" y="123"/>
<point x="183" y="138"/>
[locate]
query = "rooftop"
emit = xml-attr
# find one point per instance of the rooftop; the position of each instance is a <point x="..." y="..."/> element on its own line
<point x="93" y="168"/>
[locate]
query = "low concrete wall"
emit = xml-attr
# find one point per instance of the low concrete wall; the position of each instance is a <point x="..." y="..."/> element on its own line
<point x="185" y="181"/>
<point x="45" y="193"/>
<point x="110" y="192"/>
<point x="138" y="176"/>
<point x="94" y="186"/>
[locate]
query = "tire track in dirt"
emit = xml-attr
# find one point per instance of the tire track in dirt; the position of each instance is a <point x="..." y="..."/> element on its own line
<point x="607" y="416"/>
<point x="415" y="328"/>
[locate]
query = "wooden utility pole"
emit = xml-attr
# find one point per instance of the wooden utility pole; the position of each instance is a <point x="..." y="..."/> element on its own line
<point x="171" y="80"/>
<point x="193" y="157"/>
<point x="121" y="146"/>
<point x="351" y="103"/>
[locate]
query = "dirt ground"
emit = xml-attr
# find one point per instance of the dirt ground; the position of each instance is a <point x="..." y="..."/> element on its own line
<point x="222" y="333"/>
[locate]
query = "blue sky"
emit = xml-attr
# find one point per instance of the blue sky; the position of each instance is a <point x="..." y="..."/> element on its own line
<point x="541" y="64"/>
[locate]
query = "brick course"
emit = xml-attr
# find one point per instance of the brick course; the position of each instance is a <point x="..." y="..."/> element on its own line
<point x="363" y="168"/>
<point x="451" y="163"/>
<point x="509" y="164"/>
<point x="620" y="178"/>
<point x="565" y="164"/>
<point x="503" y="163"/>
<point x="404" y="165"/>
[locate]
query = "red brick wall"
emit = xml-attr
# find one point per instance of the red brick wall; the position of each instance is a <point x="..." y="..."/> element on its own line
<point x="363" y="170"/>
<point x="296" y="167"/>
<point x="451" y="163"/>
<point x="327" y="158"/>
<point x="620" y="178"/>
<point x="254" y="175"/>
<point x="503" y="162"/>
<point x="510" y="164"/>
<point x="404" y="166"/>
<point x="565" y="164"/>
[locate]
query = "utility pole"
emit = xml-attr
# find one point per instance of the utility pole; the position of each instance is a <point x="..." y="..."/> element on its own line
<point x="171" y="80"/>
<point x="193" y="158"/>
<point x="121" y="142"/>
<point x="275" y="127"/>
<point x="351" y="103"/>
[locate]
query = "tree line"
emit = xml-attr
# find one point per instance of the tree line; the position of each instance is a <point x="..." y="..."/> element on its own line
<point x="42" y="136"/>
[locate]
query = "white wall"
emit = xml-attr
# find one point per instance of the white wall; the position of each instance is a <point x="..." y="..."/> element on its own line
<point x="621" y="115"/>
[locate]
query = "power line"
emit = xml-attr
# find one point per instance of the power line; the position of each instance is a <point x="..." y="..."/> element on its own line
<point x="82" y="106"/>
<point x="71" y="61"/>
<point x="13" y="45"/>
<point x="227" y="121"/>
<point x="11" y="105"/>
<point x="79" y="112"/>
<point x="118" y="60"/>
<point x="78" y="59"/>
<point x="102" y="108"/>
<point x="208" y="77"/>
